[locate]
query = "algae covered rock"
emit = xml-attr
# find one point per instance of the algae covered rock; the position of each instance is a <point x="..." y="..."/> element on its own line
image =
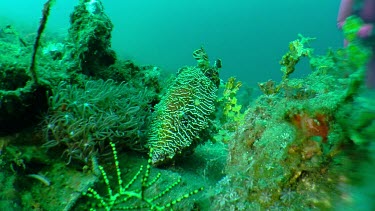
<point x="21" y="100"/>
<point x="297" y="147"/>
<point x="90" y="34"/>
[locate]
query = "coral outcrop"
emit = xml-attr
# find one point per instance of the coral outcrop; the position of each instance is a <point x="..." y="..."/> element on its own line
<point x="293" y="152"/>
<point x="90" y="35"/>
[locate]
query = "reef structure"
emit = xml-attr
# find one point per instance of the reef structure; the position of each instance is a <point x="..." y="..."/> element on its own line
<point x="90" y="36"/>
<point x="184" y="112"/>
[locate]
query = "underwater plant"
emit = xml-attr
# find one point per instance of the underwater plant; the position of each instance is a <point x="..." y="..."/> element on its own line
<point x="297" y="50"/>
<point x="229" y="111"/>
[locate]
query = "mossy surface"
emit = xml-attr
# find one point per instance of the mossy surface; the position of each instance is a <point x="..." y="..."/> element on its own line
<point x="293" y="152"/>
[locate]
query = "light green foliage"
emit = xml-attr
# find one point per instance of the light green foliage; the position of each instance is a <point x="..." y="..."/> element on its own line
<point x="232" y="116"/>
<point x="297" y="49"/>
<point x="124" y="196"/>
<point x="357" y="54"/>
<point x="231" y="109"/>
<point x="84" y="119"/>
<point x="324" y="63"/>
<point x="351" y="27"/>
<point x="359" y="118"/>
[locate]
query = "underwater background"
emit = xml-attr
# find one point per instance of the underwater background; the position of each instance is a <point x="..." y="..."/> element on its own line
<point x="184" y="105"/>
<point x="248" y="35"/>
